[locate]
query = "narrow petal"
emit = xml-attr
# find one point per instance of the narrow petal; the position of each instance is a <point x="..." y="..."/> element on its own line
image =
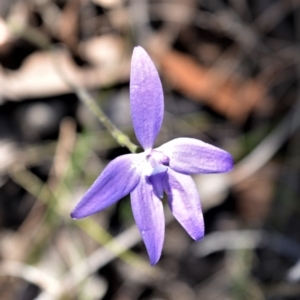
<point x="117" y="180"/>
<point x="146" y="98"/>
<point x="191" y="156"/>
<point x="184" y="203"/>
<point x="148" y="213"/>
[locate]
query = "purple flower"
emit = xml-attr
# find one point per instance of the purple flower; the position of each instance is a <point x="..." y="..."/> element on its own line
<point x="147" y="175"/>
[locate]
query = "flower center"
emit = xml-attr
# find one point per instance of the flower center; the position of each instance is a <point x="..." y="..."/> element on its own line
<point x="159" y="166"/>
<point x="157" y="158"/>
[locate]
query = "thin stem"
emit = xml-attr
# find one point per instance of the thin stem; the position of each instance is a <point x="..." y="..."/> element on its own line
<point x="117" y="134"/>
<point x="34" y="36"/>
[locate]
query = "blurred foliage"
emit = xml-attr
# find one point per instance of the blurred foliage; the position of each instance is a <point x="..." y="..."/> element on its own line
<point x="230" y="71"/>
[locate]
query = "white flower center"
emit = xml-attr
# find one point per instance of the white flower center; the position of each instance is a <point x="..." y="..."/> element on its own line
<point x="157" y="168"/>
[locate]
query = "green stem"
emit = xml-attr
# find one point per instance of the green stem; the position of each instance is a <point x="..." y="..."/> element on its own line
<point x="117" y="134"/>
<point x="36" y="37"/>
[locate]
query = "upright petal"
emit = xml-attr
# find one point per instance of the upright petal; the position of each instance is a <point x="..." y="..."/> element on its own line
<point x="117" y="180"/>
<point x="148" y="213"/>
<point x="146" y="98"/>
<point x="191" y="156"/>
<point x="184" y="203"/>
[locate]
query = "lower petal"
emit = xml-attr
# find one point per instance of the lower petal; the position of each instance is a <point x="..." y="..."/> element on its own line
<point x="148" y="213"/>
<point x="117" y="180"/>
<point x="184" y="203"/>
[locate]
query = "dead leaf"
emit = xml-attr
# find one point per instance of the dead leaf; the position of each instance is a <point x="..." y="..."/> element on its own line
<point x="233" y="97"/>
<point x="68" y="23"/>
<point x="5" y="35"/>
<point x="108" y="3"/>
<point x="43" y="73"/>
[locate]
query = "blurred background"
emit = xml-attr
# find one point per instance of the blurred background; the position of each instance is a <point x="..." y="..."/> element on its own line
<point x="230" y="71"/>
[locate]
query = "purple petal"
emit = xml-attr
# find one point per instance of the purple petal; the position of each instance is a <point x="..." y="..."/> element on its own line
<point x="148" y="213"/>
<point x="117" y="180"/>
<point x="146" y="98"/>
<point x="184" y="203"/>
<point x="156" y="179"/>
<point x="191" y="156"/>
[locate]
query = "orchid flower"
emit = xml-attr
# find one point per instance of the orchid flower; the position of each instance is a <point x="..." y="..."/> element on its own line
<point x="150" y="174"/>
